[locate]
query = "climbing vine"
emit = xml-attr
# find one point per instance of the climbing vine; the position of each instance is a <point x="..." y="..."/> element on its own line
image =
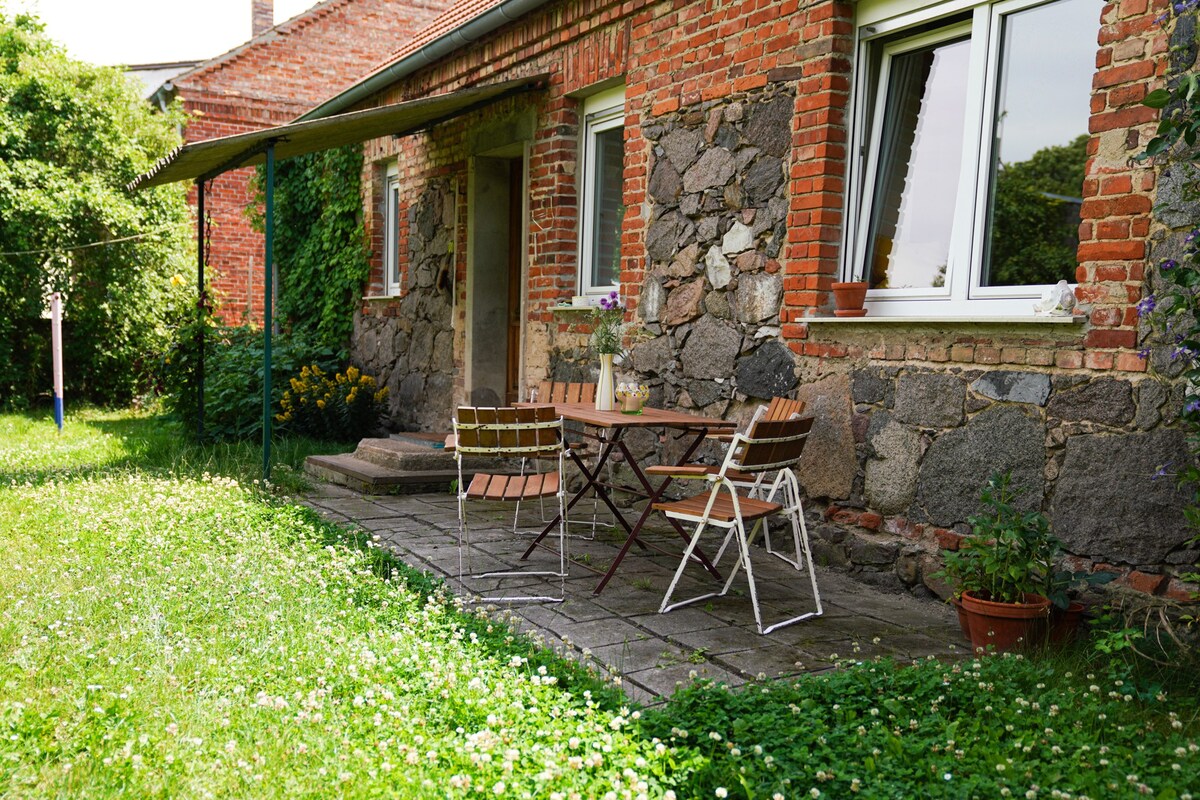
<point x="1172" y="309"/>
<point x="320" y="243"/>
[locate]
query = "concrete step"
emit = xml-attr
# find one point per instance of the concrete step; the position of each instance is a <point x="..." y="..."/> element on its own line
<point x="370" y="478"/>
<point x="397" y="464"/>
<point x="405" y="455"/>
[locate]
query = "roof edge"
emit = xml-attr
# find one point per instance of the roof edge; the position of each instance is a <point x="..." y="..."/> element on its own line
<point x="469" y="31"/>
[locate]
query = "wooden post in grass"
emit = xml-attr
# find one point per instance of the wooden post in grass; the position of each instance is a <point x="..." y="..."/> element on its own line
<point x="56" y="354"/>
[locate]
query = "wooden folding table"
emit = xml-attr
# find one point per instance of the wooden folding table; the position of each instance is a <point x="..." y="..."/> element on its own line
<point x="608" y="429"/>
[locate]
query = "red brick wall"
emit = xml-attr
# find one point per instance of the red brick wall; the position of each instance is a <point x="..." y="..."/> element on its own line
<point x="269" y="81"/>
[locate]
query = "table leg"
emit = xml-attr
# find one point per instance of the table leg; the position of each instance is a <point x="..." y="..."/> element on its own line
<point x="591" y="481"/>
<point x="654" y="494"/>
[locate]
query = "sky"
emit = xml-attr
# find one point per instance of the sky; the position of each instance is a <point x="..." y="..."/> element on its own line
<point x="112" y="32"/>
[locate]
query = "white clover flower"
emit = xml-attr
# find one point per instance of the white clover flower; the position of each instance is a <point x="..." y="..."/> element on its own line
<point x="721" y="792"/>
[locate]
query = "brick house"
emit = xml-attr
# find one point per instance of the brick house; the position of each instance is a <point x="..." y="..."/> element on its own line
<point x="280" y="73"/>
<point x="725" y="163"/>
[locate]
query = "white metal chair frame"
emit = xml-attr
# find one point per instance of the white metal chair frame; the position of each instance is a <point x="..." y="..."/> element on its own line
<point x="788" y="434"/>
<point x="755" y="489"/>
<point x="571" y="392"/>
<point x="506" y="436"/>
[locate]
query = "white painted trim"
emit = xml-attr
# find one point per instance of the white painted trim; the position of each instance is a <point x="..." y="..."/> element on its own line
<point x="601" y="112"/>
<point x="962" y="297"/>
<point x="391" y="230"/>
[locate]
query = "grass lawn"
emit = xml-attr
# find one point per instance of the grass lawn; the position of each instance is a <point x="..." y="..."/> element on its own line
<point x="167" y="632"/>
<point x="168" y="627"/>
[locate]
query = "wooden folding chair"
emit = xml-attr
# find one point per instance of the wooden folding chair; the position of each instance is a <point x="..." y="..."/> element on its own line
<point x="771" y="447"/>
<point x="511" y="433"/>
<point x="780" y="408"/>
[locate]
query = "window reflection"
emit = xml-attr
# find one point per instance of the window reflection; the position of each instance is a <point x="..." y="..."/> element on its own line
<point x="1048" y="56"/>
<point x="610" y="165"/>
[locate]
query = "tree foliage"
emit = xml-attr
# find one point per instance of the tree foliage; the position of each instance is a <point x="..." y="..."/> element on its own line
<point x="72" y="136"/>
<point x="1035" y="227"/>
<point x="320" y="243"/>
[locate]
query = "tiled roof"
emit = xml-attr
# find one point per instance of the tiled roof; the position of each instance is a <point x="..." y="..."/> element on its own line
<point x="457" y="15"/>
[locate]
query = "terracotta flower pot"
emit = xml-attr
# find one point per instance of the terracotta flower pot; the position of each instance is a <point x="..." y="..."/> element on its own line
<point x="848" y="299"/>
<point x="964" y="621"/>
<point x="1064" y="623"/>
<point x="1007" y="626"/>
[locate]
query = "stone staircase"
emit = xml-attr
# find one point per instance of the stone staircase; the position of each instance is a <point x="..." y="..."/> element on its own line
<point x="403" y="462"/>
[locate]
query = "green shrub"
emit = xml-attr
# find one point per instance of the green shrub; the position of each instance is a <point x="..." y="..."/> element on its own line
<point x="344" y="407"/>
<point x="1001" y="726"/>
<point x="320" y="242"/>
<point x="233" y="376"/>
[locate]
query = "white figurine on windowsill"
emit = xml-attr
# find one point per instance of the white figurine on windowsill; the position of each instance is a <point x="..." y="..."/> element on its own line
<point x="1057" y="301"/>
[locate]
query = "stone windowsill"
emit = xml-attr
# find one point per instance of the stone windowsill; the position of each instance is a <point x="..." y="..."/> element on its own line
<point x="559" y="308"/>
<point x="374" y="297"/>
<point x="1029" y="319"/>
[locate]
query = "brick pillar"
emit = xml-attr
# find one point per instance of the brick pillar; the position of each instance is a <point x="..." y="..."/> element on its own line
<point x="262" y="16"/>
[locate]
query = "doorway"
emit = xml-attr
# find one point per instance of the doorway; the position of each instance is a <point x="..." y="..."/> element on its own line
<point x="495" y="285"/>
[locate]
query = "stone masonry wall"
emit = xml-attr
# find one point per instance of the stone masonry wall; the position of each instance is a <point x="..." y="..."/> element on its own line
<point x="409" y="347"/>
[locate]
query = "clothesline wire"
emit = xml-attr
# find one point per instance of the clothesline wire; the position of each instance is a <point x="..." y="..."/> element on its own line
<point x="82" y="246"/>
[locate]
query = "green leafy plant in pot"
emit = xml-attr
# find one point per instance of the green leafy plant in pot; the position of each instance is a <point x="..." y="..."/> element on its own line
<point x="1066" y="612"/>
<point x="1001" y="570"/>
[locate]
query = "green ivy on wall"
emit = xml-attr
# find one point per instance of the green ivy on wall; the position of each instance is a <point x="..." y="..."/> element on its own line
<point x="320" y="243"/>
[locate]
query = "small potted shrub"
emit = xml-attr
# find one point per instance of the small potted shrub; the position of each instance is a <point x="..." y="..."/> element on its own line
<point x="1066" y="612"/>
<point x="1001" y="570"/>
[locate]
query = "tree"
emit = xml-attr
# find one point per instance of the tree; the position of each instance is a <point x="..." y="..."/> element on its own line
<point x="1035" y="217"/>
<point x="72" y="137"/>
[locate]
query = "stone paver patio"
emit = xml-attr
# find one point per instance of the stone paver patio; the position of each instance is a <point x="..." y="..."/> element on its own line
<point x="621" y="629"/>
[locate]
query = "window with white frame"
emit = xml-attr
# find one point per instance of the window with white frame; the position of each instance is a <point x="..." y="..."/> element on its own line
<point x="391" y="230"/>
<point x="971" y="125"/>
<point x="601" y="207"/>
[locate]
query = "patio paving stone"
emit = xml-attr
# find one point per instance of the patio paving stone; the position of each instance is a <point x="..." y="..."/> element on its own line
<point x="621" y="631"/>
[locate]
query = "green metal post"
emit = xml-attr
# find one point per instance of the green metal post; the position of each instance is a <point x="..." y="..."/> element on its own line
<point x="268" y="268"/>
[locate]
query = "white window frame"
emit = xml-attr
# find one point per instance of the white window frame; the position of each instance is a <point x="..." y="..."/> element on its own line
<point x="602" y="111"/>
<point x="391" y="230"/>
<point x="962" y="294"/>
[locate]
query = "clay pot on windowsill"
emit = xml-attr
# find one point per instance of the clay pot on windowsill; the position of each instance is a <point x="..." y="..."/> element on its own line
<point x="848" y="299"/>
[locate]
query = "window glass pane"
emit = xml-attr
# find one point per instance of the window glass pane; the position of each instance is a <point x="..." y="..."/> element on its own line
<point x="919" y="162"/>
<point x="1048" y="55"/>
<point x="609" y="150"/>
<point x="391" y="237"/>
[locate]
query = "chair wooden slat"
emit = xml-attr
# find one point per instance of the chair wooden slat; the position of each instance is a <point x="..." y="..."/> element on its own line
<point x="793" y="432"/>
<point x="782" y="408"/>
<point x="722" y="509"/>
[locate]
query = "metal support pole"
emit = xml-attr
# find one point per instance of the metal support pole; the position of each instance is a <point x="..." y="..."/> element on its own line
<point x="268" y="267"/>
<point x="201" y="302"/>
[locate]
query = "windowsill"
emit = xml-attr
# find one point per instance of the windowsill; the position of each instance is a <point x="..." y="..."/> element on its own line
<point x="374" y="297"/>
<point x="1007" y="319"/>
<point x="565" y="308"/>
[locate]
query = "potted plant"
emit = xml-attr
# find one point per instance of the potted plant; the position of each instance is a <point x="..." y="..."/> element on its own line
<point x="1001" y="570"/>
<point x="1066" y="612"/>
<point x="848" y="299"/>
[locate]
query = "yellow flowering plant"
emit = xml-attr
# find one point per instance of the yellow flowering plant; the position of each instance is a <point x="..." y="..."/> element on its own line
<point x="344" y="407"/>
